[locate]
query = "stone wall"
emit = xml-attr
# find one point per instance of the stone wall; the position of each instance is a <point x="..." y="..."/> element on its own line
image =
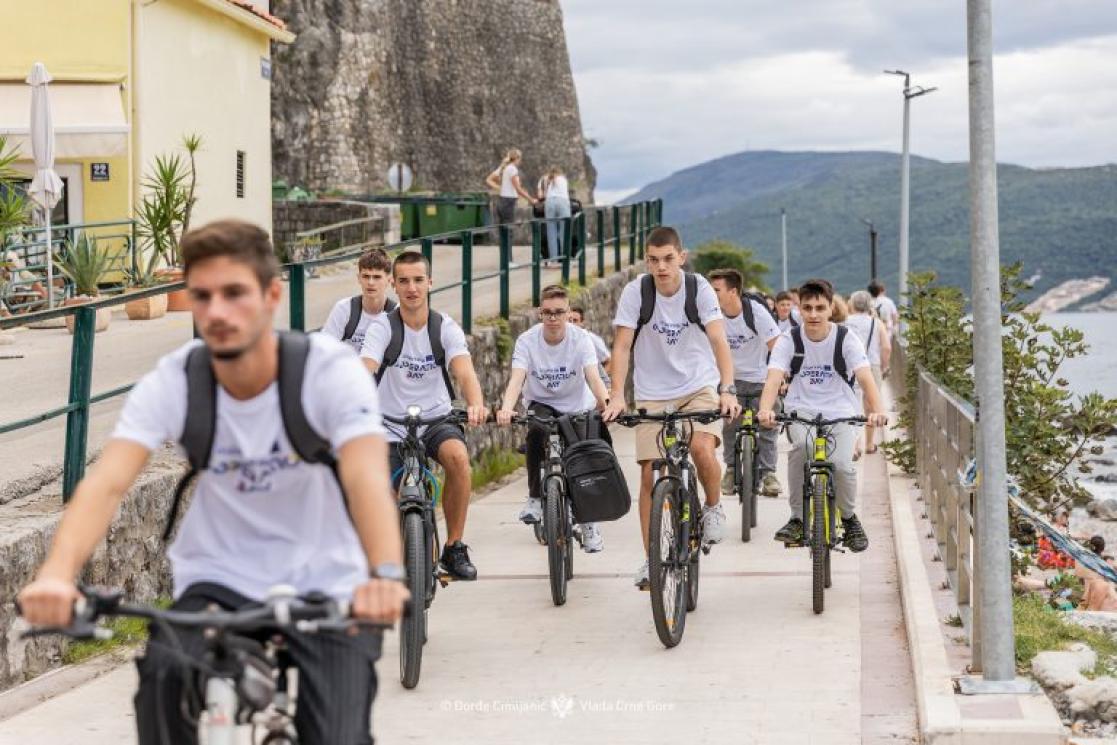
<point x="132" y="557"/>
<point x="445" y="86"/>
<point x="290" y="218"/>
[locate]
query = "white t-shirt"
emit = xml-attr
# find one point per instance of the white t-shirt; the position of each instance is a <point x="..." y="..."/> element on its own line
<point x="863" y="324"/>
<point x="817" y="389"/>
<point x="750" y="350"/>
<point x="556" y="373"/>
<point x="558" y="188"/>
<point x="885" y="308"/>
<point x="785" y="324"/>
<point x="507" y="188"/>
<point x="414" y="378"/>
<point x="260" y="516"/>
<point x="672" y="358"/>
<point x="339" y="319"/>
<point x="603" y="354"/>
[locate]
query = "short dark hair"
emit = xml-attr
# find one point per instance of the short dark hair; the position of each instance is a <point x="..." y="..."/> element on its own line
<point x="785" y="295"/>
<point x="665" y="235"/>
<point x="375" y="259"/>
<point x="1097" y="544"/>
<point x="816" y="288"/>
<point x="792" y="290"/>
<point x="579" y="310"/>
<point x="730" y="277"/>
<point x="411" y="257"/>
<point x="550" y="292"/>
<point x="876" y="288"/>
<point x="235" y="239"/>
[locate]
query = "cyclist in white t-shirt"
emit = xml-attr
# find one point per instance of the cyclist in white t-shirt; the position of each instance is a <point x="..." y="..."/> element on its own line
<point x="749" y="345"/>
<point x="786" y="312"/>
<point x="818" y="388"/>
<point x="415" y="378"/>
<point x="878" y="343"/>
<point x="883" y="305"/>
<point x="554" y="365"/>
<point x="578" y="318"/>
<point x="374" y="275"/>
<point x="260" y="515"/>
<point x="678" y="365"/>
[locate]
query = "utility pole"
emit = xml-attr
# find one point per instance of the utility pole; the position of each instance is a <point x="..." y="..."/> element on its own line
<point x="905" y="176"/>
<point x="872" y="249"/>
<point x="783" y="244"/>
<point x="993" y="571"/>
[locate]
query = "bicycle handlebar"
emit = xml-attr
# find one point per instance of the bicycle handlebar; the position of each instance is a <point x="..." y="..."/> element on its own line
<point x="456" y="416"/>
<point x="530" y="417"/>
<point x="704" y="416"/>
<point x="818" y="421"/>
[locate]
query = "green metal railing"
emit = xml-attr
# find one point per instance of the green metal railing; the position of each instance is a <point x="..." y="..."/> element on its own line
<point x="629" y="226"/>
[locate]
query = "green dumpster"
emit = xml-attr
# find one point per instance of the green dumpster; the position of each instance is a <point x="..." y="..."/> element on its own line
<point x="451" y="212"/>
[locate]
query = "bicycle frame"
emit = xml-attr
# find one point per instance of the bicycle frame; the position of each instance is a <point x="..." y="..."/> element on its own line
<point x="819" y="465"/>
<point x="675" y="466"/>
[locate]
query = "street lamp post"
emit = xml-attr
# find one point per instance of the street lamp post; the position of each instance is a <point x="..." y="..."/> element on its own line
<point x="872" y="249"/>
<point x="783" y="244"/>
<point x="910" y="92"/>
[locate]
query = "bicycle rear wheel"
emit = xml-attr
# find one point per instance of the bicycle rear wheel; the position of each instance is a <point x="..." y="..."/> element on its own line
<point x="819" y="548"/>
<point x="666" y="576"/>
<point x="412" y="631"/>
<point x="746" y="487"/>
<point x="558" y="546"/>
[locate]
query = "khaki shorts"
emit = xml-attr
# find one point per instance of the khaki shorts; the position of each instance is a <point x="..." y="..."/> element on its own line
<point x="647" y="435"/>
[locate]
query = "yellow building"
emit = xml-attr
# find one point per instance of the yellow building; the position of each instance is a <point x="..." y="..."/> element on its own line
<point x="131" y="78"/>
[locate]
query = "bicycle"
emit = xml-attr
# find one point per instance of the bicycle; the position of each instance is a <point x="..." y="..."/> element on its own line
<point x="418" y="492"/>
<point x="675" y="542"/>
<point x="746" y="472"/>
<point x="558" y="528"/>
<point x="246" y="682"/>
<point x="819" y="502"/>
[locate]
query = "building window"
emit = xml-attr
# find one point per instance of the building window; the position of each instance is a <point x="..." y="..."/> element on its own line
<point x="240" y="174"/>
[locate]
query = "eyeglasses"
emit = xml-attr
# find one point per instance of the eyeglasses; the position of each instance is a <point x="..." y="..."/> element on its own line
<point x="552" y="315"/>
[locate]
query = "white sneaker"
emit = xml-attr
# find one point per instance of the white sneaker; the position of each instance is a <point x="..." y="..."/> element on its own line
<point x="532" y="513"/>
<point x="592" y="540"/>
<point x="641" y="581"/>
<point x="770" y="487"/>
<point x="713" y="523"/>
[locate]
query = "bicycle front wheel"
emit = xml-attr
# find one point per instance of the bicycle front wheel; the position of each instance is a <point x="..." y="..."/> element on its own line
<point x="666" y="574"/>
<point x="692" y="542"/>
<point x="819" y="545"/>
<point x="556" y="531"/>
<point x="746" y="487"/>
<point x="412" y="631"/>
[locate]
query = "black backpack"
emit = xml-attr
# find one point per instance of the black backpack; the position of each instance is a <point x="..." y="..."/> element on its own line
<point x="647" y="302"/>
<point x="355" y="311"/>
<point x="201" y="421"/>
<point x="395" y="346"/>
<point x="747" y="312"/>
<point x="598" y="489"/>
<point x="839" y="357"/>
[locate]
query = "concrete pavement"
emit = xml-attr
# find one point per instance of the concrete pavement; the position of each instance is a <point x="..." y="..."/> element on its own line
<point x="504" y="665"/>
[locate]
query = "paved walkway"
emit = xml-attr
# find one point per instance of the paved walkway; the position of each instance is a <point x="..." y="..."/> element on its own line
<point x="504" y="666"/>
<point x="37" y="379"/>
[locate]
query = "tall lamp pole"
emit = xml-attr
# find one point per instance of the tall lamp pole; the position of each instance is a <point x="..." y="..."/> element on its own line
<point x="783" y="244"/>
<point x="910" y="92"/>
<point x="872" y="249"/>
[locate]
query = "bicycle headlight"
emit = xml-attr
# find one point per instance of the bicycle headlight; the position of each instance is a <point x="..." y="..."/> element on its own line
<point x="414" y="410"/>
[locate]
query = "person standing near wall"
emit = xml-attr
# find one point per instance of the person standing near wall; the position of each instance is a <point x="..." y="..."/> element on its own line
<point x="506" y="180"/>
<point x="554" y="190"/>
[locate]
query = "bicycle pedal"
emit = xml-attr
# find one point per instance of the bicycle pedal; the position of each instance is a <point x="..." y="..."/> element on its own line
<point x="706" y="548"/>
<point x="445" y="578"/>
<point x="795" y="544"/>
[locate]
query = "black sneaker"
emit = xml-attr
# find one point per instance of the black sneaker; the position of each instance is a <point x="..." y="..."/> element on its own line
<point x="792" y="532"/>
<point x="455" y="560"/>
<point x="853" y="535"/>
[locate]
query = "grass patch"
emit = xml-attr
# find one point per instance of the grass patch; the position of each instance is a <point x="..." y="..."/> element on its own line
<point x="126" y="632"/>
<point x="494" y="463"/>
<point x="953" y="620"/>
<point x="1039" y="627"/>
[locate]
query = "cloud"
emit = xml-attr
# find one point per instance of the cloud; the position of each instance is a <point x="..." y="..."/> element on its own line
<point x="683" y="83"/>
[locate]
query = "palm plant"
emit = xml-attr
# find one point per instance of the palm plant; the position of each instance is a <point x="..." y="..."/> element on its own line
<point x="163" y="214"/>
<point x="14" y="210"/>
<point x="83" y="264"/>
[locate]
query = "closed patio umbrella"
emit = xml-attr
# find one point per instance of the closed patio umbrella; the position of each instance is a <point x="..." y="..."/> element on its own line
<point x="46" y="186"/>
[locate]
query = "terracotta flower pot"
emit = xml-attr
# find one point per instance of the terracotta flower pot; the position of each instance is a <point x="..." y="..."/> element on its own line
<point x="147" y="308"/>
<point x="104" y="315"/>
<point x="177" y="300"/>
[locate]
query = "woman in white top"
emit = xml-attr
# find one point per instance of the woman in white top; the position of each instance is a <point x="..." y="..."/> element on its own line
<point x="873" y="333"/>
<point x="555" y="191"/>
<point x="506" y="180"/>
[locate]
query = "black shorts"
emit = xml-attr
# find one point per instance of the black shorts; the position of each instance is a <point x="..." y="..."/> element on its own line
<point x="432" y="440"/>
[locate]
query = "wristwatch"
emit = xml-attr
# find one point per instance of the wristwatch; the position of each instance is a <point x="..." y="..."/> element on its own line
<point x="731" y="389"/>
<point x="388" y="570"/>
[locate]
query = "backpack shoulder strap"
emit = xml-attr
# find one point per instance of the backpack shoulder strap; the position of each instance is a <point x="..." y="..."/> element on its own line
<point x="872" y="328"/>
<point x="569" y="433"/>
<point x="839" y="355"/>
<point x="798" y="354"/>
<point x="690" y="302"/>
<point x="746" y="311"/>
<point x="647" y="304"/>
<point x="201" y="424"/>
<point x="434" y="333"/>
<point x="311" y="447"/>
<point x="593" y="425"/>
<point x="395" y="344"/>
<point x="390" y="305"/>
<point x="794" y="323"/>
<point x="355" y="311"/>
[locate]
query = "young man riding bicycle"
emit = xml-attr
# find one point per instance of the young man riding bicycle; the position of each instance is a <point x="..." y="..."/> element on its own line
<point x="261" y="514"/>
<point x="822" y="382"/>
<point x="555" y="365"/>
<point x="415" y="337"/>
<point x="350" y="317"/>
<point x="682" y="361"/>
<point x="751" y="332"/>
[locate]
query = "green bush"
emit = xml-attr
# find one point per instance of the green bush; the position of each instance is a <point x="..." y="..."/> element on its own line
<point x="726" y="255"/>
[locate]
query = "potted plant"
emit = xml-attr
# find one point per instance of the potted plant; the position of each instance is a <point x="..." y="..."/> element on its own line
<point x="83" y="264"/>
<point x="143" y="277"/>
<point x="163" y="214"/>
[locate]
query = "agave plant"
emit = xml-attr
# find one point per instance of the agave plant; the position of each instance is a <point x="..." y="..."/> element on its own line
<point x="83" y="264"/>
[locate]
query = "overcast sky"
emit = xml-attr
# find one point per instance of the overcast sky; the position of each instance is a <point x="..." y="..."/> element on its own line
<point x="664" y="84"/>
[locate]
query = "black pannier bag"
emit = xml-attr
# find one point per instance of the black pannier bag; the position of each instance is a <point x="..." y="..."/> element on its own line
<point x="598" y="490"/>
